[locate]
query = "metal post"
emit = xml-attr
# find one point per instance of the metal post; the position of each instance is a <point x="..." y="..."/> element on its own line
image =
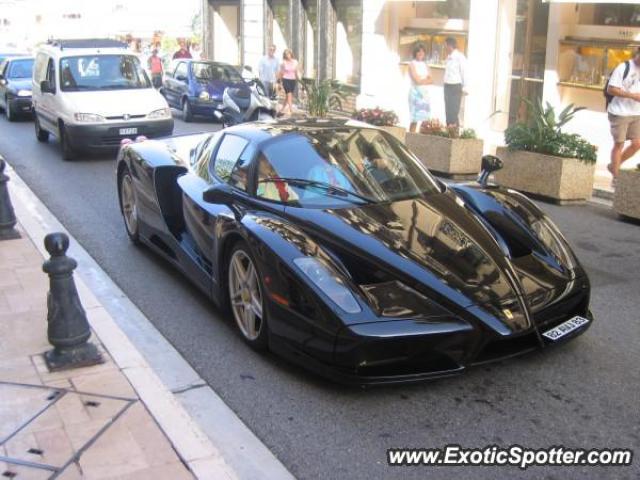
<point x="7" y="215"/>
<point x="68" y="328"/>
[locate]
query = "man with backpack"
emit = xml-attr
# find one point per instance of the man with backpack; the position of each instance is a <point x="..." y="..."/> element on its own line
<point x="623" y="108"/>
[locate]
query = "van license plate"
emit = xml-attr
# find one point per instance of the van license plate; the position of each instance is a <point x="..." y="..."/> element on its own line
<point x="565" y="328"/>
<point x="128" y="131"/>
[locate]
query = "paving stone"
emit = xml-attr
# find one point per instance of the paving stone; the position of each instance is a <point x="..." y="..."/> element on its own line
<point x="19" y="404"/>
<point x="23" y="473"/>
<point x="108" y="382"/>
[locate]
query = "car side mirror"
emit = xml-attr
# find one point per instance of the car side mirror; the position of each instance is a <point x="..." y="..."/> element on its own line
<point x="490" y="164"/>
<point x="45" y="87"/>
<point x="219" y="193"/>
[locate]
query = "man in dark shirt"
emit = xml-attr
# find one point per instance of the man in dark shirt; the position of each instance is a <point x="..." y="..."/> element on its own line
<point x="183" y="52"/>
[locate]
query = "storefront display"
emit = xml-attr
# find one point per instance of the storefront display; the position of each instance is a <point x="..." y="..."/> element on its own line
<point x="586" y="63"/>
<point x="434" y="43"/>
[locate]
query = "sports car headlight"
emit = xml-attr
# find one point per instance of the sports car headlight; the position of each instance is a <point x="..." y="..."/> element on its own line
<point x="327" y="280"/>
<point x="158" y="114"/>
<point x="204" y="95"/>
<point x="88" y="118"/>
<point x="550" y="237"/>
<point x="24" y="93"/>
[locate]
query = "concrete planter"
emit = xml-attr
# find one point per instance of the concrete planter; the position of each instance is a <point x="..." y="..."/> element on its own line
<point x="626" y="200"/>
<point x="452" y="157"/>
<point x="563" y="180"/>
<point x="398" y="132"/>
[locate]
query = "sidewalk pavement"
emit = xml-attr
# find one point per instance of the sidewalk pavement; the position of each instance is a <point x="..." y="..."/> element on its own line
<point x="112" y="420"/>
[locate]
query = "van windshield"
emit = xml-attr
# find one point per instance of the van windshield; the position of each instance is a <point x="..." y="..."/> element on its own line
<point x="102" y="72"/>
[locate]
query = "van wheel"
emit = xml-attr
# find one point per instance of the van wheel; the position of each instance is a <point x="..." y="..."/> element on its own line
<point x="187" y="114"/>
<point x="67" y="151"/>
<point x="41" y="135"/>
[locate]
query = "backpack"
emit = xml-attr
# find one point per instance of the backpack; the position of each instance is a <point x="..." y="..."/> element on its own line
<point x="608" y="97"/>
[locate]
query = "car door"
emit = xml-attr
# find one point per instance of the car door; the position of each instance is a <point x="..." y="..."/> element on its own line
<point x="230" y="162"/>
<point x="174" y="84"/>
<point x="47" y="108"/>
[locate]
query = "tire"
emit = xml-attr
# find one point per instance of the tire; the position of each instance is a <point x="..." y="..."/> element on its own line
<point x="187" y="114"/>
<point x="129" y="205"/>
<point x="41" y="135"/>
<point x="8" y="111"/>
<point x="68" y="153"/>
<point x="246" y="298"/>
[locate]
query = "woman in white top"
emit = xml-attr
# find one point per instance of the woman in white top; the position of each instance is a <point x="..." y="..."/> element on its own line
<point x="419" y="93"/>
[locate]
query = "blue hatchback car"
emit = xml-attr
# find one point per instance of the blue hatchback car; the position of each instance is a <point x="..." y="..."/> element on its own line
<point x="196" y="86"/>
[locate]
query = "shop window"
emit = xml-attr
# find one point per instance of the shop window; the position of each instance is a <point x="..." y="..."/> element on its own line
<point x="310" y="47"/>
<point x="616" y="14"/>
<point x="529" y="55"/>
<point x="348" y="41"/>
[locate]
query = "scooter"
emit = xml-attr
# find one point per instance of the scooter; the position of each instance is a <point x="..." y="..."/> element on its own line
<point x="240" y="105"/>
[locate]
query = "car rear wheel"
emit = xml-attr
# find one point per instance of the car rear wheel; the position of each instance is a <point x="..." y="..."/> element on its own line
<point x="41" y="135"/>
<point x="187" y="114"/>
<point x="67" y="150"/>
<point x="129" y="205"/>
<point x="246" y="297"/>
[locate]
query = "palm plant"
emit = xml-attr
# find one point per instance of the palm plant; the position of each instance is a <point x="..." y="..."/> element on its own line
<point x="323" y="96"/>
<point x="542" y="133"/>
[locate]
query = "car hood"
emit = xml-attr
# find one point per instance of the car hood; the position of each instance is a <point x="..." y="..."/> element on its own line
<point x="16" y="84"/>
<point x="436" y="245"/>
<point x="116" y="103"/>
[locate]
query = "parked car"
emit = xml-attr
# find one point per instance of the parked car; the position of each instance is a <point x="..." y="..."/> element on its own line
<point x="333" y="245"/>
<point x="91" y="94"/>
<point x="15" y="86"/>
<point x="196" y="86"/>
<point x="10" y="53"/>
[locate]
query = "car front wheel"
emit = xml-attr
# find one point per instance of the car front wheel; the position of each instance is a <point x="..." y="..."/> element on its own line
<point x="11" y="116"/>
<point x="129" y="205"/>
<point x="187" y="114"/>
<point x="246" y="297"/>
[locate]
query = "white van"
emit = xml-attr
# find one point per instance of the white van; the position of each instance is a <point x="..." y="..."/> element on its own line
<point x="91" y="94"/>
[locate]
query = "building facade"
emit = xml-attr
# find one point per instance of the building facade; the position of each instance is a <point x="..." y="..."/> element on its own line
<point x="556" y="51"/>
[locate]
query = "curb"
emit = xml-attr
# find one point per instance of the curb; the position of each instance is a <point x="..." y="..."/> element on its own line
<point x="207" y="435"/>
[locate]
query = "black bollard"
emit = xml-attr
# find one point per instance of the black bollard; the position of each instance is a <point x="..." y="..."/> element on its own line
<point x="68" y="329"/>
<point x="7" y="216"/>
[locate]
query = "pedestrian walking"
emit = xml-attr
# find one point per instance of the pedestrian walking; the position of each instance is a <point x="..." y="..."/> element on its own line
<point x="623" y="109"/>
<point x="268" y="68"/>
<point x="155" y="67"/>
<point x="288" y="75"/>
<point x="455" y="85"/>
<point x="419" y="104"/>
<point x="183" y="52"/>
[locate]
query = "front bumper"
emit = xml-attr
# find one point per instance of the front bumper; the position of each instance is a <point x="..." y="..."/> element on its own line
<point x="204" y="108"/>
<point x="409" y="351"/>
<point x="21" y="105"/>
<point x="109" y="136"/>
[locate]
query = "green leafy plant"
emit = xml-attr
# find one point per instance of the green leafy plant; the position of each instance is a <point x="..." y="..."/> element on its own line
<point x="435" y="127"/>
<point x="542" y="133"/>
<point x="377" y="116"/>
<point x="323" y="96"/>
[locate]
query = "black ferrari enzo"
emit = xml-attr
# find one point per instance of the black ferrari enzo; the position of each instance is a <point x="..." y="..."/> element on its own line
<point x="332" y="245"/>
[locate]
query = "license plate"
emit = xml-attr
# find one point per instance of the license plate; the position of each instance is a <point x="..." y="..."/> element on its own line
<point x="565" y="328"/>
<point x="128" y="131"/>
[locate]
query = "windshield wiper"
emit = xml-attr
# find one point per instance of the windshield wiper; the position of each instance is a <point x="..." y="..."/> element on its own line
<point x="329" y="188"/>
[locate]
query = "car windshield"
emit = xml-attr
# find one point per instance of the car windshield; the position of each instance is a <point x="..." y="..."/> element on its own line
<point x="328" y="167"/>
<point x="215" y="71"/>
<point x="21" y="68"/>
<point x="102" y="72"/>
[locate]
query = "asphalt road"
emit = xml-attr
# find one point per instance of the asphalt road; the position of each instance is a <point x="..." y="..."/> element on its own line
<point x="584" y="394"/>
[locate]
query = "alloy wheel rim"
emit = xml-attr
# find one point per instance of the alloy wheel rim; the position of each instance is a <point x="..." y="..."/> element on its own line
<point x="129" y="207"/>
<point x="245" y="295"/>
